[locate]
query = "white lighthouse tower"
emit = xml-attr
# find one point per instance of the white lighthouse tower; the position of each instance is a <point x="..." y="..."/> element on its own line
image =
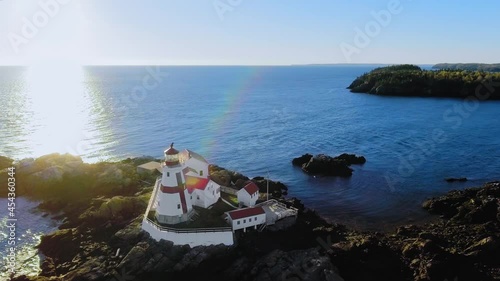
<point x="173" y="204"/>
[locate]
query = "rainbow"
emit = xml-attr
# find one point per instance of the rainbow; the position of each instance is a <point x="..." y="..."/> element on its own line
<point x="234" y="99"/>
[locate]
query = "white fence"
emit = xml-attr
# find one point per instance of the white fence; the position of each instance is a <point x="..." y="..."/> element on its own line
<point x="192" y="237"/>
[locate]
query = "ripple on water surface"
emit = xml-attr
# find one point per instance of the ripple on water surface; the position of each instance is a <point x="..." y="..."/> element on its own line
<point x="31" y="224"/>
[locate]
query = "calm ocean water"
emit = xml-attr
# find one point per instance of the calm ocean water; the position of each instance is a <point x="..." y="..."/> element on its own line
<point x="255" y="120"/>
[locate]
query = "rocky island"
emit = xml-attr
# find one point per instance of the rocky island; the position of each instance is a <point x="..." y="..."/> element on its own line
<point x="325" y="165"/>
<point x="101" y="239"/>
<point x="411" y="80"/>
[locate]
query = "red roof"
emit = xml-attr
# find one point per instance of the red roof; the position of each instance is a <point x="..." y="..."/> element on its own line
<point x="171" y="150"/>
<point x="247" y="212"/>
<point x="193" y="183"/>
<point x="251" y="188"/>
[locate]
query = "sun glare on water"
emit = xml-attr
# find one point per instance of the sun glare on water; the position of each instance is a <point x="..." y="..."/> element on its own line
<point x="58" y="105"/>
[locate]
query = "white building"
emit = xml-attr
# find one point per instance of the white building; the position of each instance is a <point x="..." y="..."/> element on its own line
<point x="248" y="195"/>
<point x="185" y="182"/>
<point x="248" y="217"/>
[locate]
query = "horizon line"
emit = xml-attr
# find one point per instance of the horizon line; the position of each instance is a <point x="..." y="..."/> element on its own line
<point x="255" y="65"/>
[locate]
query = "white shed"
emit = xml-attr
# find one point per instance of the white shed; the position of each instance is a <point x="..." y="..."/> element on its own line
<point x="248" y="195"/>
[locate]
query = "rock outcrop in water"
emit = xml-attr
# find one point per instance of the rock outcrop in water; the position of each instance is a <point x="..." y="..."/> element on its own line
<point x="463" y="244"/>
<point x="325" y="165"/>
<point x="455" y="179"/>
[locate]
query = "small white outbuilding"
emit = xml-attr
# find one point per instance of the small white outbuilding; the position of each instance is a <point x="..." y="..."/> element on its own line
<point x="248" y="195"/>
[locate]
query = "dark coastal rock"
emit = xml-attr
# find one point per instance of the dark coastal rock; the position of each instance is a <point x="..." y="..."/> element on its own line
<point x="226" y="177"/>
<point x="328" y="166"/>
<point x="366" y="257"/>
<point x="456" y="179"/>
<point x="48" y="267"/>
<point x="62" y="245"/>
<point x="128" y="236"/>
<point x="236" y="180"/>
<point x="66" y="177"/>
<point x="474" y="205"/>
<point x="5" y="162"/>
<point x="299" y="161"/>
<point x="52" y="205"/>
<point x="32" y="278"/>
<point x="240" y="183"/>
<point x="295" y="265"/>
<point x="25" y="166"/>
<point x="462" y="245"/>
<point x="276" y="188"/>
<point x="205" y="259"/>
<point x="220" y="175"/>
<point x="235" y="176"/>
<point x="117" y="208"/>
<point x="488" y="247"/>
<point x="351" y="159"/>
<point x="325" y="165"/>
<point x="53" y="174"/>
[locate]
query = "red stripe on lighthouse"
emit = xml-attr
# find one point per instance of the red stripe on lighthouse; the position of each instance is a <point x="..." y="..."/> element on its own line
<point x="183" y="202"/>
<point x="171" y="190"/>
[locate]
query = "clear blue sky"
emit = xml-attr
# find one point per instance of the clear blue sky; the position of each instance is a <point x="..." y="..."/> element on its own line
<point x="249" y="32"/>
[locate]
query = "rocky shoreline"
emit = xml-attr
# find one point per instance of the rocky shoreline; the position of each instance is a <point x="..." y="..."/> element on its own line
<point x="101" y="239"/>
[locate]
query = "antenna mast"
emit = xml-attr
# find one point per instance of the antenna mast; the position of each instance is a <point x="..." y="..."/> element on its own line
<point x="267" y="193"/>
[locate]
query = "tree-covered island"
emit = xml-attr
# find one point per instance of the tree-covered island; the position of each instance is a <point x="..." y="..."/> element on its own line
<point x="411" y="80"/>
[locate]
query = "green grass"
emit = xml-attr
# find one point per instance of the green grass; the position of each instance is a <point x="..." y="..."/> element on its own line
<point x="230" y="198"/>
<point x="206" y="218"/>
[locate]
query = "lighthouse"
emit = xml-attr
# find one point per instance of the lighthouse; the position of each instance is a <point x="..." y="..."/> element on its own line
<point x="173" y="204"/>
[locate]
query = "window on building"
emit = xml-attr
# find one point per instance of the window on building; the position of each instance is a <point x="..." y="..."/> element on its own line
<point x="255" y="218"/>
<point x="191" y="197"/>
<point x="244" y="221"/>
<point x="238" y="222"/>
<point x="168" y="174"/>
<point x="201" y="172"/>
<point x="198" y="197"/>
<point x="178" y="206"/>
